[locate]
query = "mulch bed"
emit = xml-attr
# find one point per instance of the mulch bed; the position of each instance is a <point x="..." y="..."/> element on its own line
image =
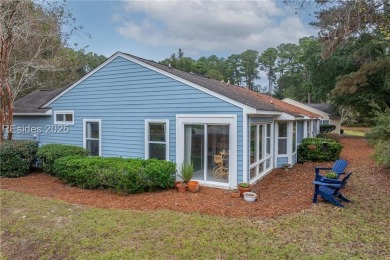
<point x="280" y="192"/>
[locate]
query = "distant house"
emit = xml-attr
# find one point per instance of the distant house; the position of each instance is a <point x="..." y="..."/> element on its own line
<point x="132" y="107"/>
<point x="329" y="115"/>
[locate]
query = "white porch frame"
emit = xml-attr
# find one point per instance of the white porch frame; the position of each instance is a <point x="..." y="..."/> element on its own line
<point x="231" y="120"/>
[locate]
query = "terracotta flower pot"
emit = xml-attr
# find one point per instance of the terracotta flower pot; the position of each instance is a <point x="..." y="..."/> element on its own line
<point x="311" y="147"/>
<point x="193" y="186"/>
<point x="182" y="187"/>
<point x="235" y="194"/>
<point x="177" y="183"/>
<point x="242" y="189"/>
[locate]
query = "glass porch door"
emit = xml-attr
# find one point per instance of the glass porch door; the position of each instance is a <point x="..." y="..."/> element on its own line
<point x="207" y="147"/>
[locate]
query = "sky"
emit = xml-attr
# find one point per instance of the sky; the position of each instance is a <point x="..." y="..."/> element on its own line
<point x="156" y="29"/>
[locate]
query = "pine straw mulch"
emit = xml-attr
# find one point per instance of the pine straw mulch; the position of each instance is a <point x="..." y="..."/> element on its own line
<point x="280" y="192"/>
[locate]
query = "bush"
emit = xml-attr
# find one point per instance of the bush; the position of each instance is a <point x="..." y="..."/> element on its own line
<point x="327" y="128"/>
<point x="325" y="150"/>
<point x="17" y="157"/>
<point x="49" y="153"/>
<point x="379" y="137"/>
<point x="121" y="175"/>
<point x="333" y="136"/>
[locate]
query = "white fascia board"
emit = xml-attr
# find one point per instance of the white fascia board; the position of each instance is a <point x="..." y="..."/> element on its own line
<point x="83" y="78"/>
<point x="189" y="83"/>
<point x="306" y="107"/>
<point x="47" y="113"/>
<point x="271" y="113"/>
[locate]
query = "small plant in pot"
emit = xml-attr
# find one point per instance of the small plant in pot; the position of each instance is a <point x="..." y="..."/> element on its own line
<point x="235" y="193"/>
<point x="244" y="187"/>
<point x="186" y="172"/>
<point x="331" y="175"/>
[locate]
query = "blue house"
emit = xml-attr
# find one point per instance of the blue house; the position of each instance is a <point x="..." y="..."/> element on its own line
<point x="132" y="107"/>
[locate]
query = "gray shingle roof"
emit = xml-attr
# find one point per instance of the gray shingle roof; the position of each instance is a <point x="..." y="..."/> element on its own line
<point x="327" y="108"/>
<point x="239" y="94"/>
<point x="33" y="102"/>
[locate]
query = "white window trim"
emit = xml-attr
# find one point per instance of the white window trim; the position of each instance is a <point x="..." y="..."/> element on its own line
<point x="85" y="121"/>
<point x="161" y="121"/>
<point x="182" y="119"/>
<point x="63" y="122"/>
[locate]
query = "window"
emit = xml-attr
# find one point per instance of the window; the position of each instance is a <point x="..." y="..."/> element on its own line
<point x="260" y="149"/>
<point x="64" y="117"/>
<point x="156" y="139"/>
<point x="282" y="138"/>
<point x="325" y="122"/>
<point x="92" y="136"/>
<point x="294" y="139"/>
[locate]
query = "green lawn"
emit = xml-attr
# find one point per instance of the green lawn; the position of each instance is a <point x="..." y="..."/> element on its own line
<point x="355" y="131"/>
<point x="44" y="228"/>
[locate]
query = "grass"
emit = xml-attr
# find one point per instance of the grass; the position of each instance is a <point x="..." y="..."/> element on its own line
<point x="356" y="131"/>
<point x="44" y="228"/>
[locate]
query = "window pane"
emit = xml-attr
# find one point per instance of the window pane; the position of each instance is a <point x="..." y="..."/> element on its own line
<point x="253" y="173"/>
<point x="68" y="117"/>
<point x="253" y="143"/>
<point x="260" y="155"/>
<point x="282" y="129"/>
<point x="268" y="130"/>
<point x="261" y="168"/>
<point x="93" y="130"/>
<point x="294" y="148"/>
<point x="268" y="163"/>
<point x="157" y="151"/>
<point x="282" y="146"/>
<point x="217" y="153"/>
<point x="268" y="151"/>
<point x="93" y="147"/>
<point x="59" y="117"/>
<point x="194" y="148"/>
<point x="157" y="132"/>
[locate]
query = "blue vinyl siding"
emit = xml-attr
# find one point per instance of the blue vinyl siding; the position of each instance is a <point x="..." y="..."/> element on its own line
<point x="280" y="161"/>
<point x="123" y="94"/>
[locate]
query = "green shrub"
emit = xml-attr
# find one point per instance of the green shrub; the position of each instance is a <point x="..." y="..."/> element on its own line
<point x="382" y="153"/>
<point x="17" y="157"/>
<point x="121" y="175"/>
<point x="326" y="150"/>
<point x="379" y="137"/>
<point x="51" y="152"/>
<point x="327" y="128"/>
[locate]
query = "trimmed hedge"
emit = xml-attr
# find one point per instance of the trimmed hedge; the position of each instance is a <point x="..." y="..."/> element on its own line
<point x="326" y="150"/>
<point x="17" y="157"/>
<point x="327" y="128"/>
<point x="49" y="153"/>
<point x="121" y="175"/>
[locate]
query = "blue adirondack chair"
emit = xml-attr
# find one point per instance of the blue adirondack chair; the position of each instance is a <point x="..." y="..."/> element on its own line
<point x="330" y="190"/>
<point x="339" y="167"/>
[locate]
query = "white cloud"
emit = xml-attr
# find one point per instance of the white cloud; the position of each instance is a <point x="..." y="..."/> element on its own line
<point x="196" y="26"/>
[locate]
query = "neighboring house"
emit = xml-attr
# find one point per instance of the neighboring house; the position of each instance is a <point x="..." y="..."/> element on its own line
<point x="132" y="107"/>
<point x="329" y="116"/>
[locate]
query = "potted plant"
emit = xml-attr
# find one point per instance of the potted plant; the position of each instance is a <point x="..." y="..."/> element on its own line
<point x="331" y="175"/>
<point x="235" y="193"/>
<point x="244" y="187"/>
<point x="181" y="187"/>
<point x="186" y="172"/>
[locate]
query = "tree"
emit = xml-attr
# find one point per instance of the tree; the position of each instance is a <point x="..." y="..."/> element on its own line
<point x="233" y="72"/>
<point x="267" y="62"/>
<point x="249" y="67"/>
<point x="31" y="38"/>
<point x="340" y="20"/>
